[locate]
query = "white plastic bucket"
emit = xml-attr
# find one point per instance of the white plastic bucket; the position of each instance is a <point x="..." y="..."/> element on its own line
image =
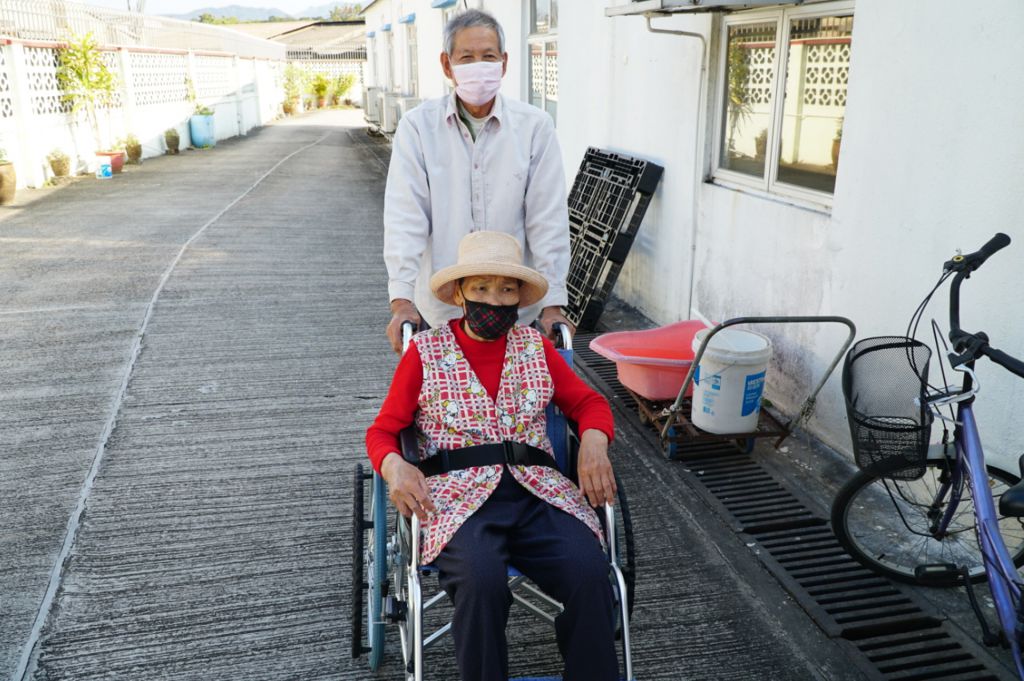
<point x="730" y="380"/>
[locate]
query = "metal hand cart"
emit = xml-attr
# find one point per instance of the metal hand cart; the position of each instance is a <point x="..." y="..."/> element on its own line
<point x="681" y="439"/>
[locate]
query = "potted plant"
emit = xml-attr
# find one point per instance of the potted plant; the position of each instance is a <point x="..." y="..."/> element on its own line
<point x="761" y="144"/>
<point x="172" y="139"/>
<point x="342" y="84"/>
<point x="320" y="86"/>
<point x="134" y="148"/>
<point x="200" y="126"/>
<point x="837" y="141"/>
<point x="88" y="83"/>
<point x="294" y="80"/>
<point x="8" y="180"/>
<point x="60" y="163"/>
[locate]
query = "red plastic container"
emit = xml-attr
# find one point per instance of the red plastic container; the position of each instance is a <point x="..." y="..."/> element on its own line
<point x="652" y="363"/>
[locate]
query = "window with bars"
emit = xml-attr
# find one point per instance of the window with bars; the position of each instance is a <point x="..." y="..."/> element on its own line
<point x="783" y="82"/>
<point x="542" y="53"/>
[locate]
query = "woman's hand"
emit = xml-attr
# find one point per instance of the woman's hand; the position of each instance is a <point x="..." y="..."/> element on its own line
<point x="597" y="481"/>
<point x="407" y="487"/>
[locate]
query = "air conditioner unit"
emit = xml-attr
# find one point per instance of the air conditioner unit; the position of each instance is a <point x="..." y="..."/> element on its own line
<point x="406" y="104"/>
<point x="389" y="111"/>
<point x="371" y="105"/>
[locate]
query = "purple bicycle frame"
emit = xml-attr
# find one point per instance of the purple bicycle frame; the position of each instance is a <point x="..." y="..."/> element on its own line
<point x="1002" y="574"/>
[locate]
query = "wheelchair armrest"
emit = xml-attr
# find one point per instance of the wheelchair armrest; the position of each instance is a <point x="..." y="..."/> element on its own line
<point x="410" y="447"/>
<point x="573" y="453"/>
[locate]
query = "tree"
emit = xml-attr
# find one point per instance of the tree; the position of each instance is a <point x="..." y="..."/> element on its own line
<point x="85" y="79"/>
<point x="345" y="12"/>
<point x="207" y="18"/>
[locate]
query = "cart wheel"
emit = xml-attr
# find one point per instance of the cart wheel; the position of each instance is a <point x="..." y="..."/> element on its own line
<point x="747" y="445"/>
<point x="672" y="449"/>
<point x="369" y="566"/>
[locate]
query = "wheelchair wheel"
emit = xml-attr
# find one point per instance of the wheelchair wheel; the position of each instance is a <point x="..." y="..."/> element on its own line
<point x="369" y="565"/>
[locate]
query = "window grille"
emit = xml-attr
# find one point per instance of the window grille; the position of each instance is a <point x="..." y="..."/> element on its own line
<point x="783" y="85"/>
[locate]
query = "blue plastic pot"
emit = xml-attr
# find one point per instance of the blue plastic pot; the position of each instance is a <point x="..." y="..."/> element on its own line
<point x="201" y="129"/>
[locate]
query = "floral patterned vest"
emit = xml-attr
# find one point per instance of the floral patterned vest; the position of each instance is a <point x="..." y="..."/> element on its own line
<point x="455" y="411"/>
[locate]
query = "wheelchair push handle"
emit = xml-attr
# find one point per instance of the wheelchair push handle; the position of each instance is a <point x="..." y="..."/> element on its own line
<point x="408" y="331"/>
<point x="563" y="335"/>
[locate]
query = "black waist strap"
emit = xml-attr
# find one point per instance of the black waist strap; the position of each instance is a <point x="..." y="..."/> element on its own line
<point x="511" y="453"/>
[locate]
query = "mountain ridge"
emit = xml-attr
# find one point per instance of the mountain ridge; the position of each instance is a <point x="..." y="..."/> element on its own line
<point x="249" y="13"/>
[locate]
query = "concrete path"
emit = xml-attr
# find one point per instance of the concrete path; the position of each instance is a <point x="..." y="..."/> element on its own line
<point x="190" y="355"/>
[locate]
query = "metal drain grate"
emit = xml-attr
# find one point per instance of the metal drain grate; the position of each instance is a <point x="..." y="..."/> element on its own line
<point x="886" y="626"/>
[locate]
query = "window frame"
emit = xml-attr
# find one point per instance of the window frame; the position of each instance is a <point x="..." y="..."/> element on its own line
<point x="769" y="185"/>
<point x="541" y="39"/>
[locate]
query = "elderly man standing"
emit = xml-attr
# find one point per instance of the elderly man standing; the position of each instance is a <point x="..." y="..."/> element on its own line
<point x="472" y="161"/>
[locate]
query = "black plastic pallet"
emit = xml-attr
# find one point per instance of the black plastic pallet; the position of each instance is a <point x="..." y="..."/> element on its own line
<point x="606" y="205"/>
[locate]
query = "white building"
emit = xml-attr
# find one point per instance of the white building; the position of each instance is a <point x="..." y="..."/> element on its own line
<point x="753" y="215"/>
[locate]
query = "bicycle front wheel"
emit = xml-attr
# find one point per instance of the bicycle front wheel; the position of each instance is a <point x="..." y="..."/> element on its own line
<point x="886" y="524"/>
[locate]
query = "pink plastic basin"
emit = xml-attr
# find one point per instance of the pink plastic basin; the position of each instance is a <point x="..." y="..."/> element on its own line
<point x="652" y="363"/>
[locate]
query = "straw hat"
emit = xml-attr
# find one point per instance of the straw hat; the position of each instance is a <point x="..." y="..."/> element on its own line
<point x="493" y="254"/>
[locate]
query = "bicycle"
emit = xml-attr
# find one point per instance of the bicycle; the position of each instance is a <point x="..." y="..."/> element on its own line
<point x="927" y="514"/>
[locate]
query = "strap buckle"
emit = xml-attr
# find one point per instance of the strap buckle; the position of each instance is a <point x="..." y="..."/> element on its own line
<point x="510" y="452"/>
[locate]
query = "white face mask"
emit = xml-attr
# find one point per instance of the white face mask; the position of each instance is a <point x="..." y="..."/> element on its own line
<point x="477" y="83"/>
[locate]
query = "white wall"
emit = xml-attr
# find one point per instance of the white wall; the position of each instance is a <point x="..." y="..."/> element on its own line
<point x="623" y="89"/>
<point x="932" y="160"/>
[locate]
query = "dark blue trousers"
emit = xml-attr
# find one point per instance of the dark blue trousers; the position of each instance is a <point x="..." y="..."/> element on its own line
<point x="553" y="549"/>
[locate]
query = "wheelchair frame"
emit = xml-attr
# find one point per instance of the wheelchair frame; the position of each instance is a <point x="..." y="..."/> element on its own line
<point x="394" y="590"/>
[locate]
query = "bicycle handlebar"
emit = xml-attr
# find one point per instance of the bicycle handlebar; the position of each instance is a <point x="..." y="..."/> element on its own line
<point x="973" y="345"/>
<point x="972" y="261"/>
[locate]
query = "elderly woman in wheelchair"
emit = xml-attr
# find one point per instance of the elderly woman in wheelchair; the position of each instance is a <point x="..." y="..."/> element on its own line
<point x="483" y="491"/>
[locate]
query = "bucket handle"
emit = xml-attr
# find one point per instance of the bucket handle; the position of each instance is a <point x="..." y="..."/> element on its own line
<point x="808" y="405"/>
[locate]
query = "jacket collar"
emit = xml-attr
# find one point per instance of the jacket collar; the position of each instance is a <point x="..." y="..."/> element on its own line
<point x="451" y="113"/>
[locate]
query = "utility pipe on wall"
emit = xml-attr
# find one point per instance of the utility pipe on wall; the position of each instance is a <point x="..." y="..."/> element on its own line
<point x="698" y="174"/>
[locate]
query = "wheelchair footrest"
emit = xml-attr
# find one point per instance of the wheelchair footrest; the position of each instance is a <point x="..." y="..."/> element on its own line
<point x="395" y="610"/>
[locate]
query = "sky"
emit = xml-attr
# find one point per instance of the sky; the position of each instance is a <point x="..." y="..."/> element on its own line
<point x="183" y="6"/>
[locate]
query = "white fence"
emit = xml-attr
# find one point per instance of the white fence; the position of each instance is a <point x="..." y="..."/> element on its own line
<point x="155" y="59"/>
<point x="55" y="20"/>
<point x="154" y="96"/>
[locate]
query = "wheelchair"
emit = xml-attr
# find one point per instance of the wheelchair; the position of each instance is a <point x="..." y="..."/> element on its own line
<point x="388" y="588"/>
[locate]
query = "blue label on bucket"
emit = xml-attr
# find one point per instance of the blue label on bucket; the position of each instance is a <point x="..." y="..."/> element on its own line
<point x="752" y="393"/>
<point x="104" y="171"/>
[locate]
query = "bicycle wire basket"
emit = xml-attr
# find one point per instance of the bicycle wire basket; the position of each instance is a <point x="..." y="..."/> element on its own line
<point x="882" y="376"/>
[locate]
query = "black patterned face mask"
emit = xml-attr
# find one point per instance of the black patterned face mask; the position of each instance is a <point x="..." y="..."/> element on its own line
<point x="490" y="322"/>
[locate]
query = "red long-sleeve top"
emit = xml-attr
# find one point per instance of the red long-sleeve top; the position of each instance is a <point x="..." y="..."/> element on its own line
<point x="575" y="398"/>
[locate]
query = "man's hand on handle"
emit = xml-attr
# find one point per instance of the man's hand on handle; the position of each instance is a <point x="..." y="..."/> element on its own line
<point x="402" y="310"/>
<point x="407" y="487"/>
<point x="597" y="481"/>
<point x="550" y="316"/>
